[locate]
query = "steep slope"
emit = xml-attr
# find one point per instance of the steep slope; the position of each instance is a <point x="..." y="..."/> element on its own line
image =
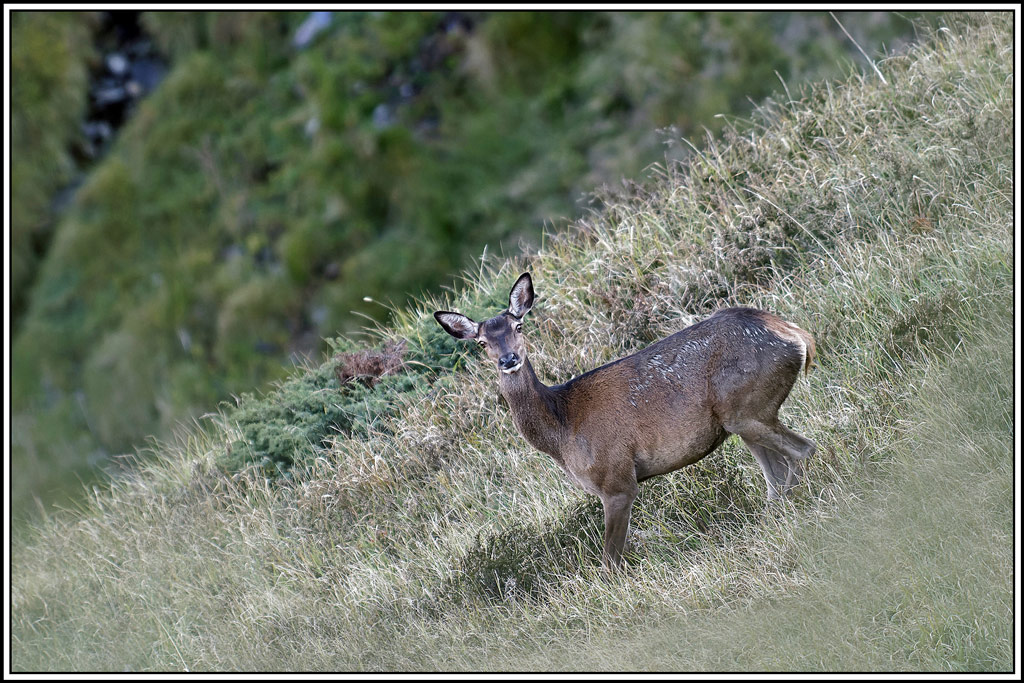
<point x="414" y="529"/>
<point x="265" y="191"/>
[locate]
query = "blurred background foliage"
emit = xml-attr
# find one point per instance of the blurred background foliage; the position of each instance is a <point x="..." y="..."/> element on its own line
<point x="48" y="90"/>
<point x="272" y="191"/>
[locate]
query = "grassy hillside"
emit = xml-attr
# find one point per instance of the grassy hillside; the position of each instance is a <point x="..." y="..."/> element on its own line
<point x="402" y="524"/>
<point x="262" y="192"/>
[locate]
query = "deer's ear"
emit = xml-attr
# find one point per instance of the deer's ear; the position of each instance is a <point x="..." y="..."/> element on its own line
<point x="457" y="325"/>
<point x="520" y="299"/>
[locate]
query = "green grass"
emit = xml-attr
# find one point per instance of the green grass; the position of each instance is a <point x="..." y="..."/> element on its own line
<point x="432" y="537"/>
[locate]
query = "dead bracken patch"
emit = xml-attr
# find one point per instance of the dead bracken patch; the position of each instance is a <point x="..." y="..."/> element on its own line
<point x="369" y="365"/>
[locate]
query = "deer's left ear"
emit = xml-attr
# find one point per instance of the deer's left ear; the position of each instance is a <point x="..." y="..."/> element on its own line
<point x="520" y="299"/>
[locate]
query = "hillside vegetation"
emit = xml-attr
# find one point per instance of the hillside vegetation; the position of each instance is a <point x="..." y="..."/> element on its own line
<point x="256" y="198"/>
<point x="49" y="64"/>
<point x="379" y="511"/>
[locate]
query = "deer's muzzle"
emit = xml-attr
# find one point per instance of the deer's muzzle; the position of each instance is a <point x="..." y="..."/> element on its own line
<point x="510" y="363"/>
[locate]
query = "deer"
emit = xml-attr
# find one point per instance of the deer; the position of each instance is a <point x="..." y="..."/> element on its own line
<point x="655" y="411"/>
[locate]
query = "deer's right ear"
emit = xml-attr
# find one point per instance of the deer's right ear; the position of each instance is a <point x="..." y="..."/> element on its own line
<point x="457" y="325"/>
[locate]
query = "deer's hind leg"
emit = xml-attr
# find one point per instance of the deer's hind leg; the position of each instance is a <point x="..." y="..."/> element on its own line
<point x="774" y="436"/>
<point x="779" y="451"/>
<point x="781" y="474"/>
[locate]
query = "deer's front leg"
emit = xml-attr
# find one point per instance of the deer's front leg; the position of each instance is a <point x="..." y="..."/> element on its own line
<point x="616" y="523"/>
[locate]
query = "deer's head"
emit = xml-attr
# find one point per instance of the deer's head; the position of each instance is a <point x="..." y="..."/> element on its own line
<point x="501" y="336"/>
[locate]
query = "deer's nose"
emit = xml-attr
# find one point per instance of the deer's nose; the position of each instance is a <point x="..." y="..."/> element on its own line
<point x="510" y="361"/>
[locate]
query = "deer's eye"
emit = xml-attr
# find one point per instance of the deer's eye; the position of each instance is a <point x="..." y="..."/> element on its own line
<point x="519" y="327"/>
<point x="482" y="343"/>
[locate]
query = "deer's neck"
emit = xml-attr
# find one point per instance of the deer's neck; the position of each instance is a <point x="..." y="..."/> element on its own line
<point x="537" y="409"/>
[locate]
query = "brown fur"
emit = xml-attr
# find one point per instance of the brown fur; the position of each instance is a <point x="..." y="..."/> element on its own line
<point x="789" y="330"/>
<point x="657" y="410"/>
